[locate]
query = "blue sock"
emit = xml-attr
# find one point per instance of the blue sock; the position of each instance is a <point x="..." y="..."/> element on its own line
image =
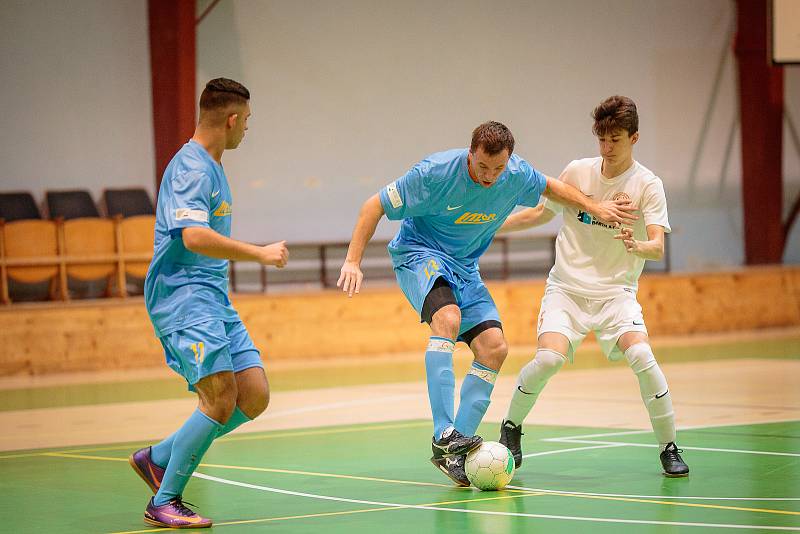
<point x="238" y="418"/>
<point x="160" y="452"/>
<point x="475" y="392"/>
<point x="188" y="447"/>
<point x="441" y="382"/>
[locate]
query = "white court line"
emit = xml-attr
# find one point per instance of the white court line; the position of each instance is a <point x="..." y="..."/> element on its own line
<point x="693" y="427"/>
<point x="711" y="449"/>
<point x="559" y="451"/>
<point x="488" y="512"/>
<point x="661" y="497"/>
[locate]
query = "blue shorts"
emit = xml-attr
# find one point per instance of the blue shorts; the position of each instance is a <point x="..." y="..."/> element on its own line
<point x="208" y="348"/>
<point x="416" y="279"/>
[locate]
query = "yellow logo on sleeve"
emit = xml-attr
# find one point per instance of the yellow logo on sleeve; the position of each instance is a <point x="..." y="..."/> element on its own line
<point x="476" y="218"/>
<point x="223" y="210"/>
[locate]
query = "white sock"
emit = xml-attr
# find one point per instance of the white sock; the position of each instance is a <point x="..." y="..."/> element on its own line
<point x="654" y="390"/>
<point x="531" y="381"/>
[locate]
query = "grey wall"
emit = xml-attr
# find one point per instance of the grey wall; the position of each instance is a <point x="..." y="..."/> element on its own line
<point x="347" y="94"/>
<point x="75" y="88"/>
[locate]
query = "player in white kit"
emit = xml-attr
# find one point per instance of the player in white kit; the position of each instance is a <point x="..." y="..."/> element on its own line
<point x="593" y="284"/>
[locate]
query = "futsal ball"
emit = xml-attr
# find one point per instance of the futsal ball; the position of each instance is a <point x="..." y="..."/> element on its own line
<point x="490" y="466"/>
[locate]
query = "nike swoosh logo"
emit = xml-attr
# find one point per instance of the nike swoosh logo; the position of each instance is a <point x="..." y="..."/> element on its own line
<point x="215" y="193"/>
<point x="659" y="396"/>
<point x="453" y="208"/>
<point x="638" y="324"/>
<point x="192" y="520"/>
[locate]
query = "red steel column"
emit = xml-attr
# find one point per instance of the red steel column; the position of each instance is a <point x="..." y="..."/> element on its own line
<point x="172" y="68"/>
<point x="761" y="111"/>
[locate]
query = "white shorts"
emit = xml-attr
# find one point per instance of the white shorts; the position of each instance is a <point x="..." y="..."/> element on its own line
<point x="574" y="316"/>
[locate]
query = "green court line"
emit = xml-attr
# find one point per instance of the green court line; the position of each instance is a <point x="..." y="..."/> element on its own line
<point x="393" y="481"/>
<point x="244" y="437"/>
<point x="346" y="512"/>
<point x="339" y="375"/>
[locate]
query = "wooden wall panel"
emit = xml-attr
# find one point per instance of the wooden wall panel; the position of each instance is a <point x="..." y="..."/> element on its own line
<point x="117" y="334"/>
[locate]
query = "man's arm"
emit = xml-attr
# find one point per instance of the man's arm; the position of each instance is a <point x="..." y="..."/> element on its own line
<point x="652" y="249"/>
<point x="205" y="241"/>
<point x="612" y="211"/>
<point x="527" y="218"/>
<point x="351" y="275"/>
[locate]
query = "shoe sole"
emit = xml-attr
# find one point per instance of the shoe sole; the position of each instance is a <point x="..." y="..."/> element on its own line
<point x="155" y="523"/>
<point x="459" y="483"/>
<point x="675" y="475"/>
<point x="139" y="472"/>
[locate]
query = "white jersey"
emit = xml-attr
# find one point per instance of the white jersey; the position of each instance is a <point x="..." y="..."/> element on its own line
<point x="589" y="261"/>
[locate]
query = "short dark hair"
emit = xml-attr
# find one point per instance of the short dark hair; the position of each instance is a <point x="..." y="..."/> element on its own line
<point x="493" y="137"/>
<point x="221" y="93"/>
<point x="615" y="113"/>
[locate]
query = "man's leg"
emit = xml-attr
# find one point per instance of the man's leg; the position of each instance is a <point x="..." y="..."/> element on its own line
<point x="252" y="398"/>
<point x="490" y="349"/>
<point x="657" y="399"/>
<point x="549" y="358"/>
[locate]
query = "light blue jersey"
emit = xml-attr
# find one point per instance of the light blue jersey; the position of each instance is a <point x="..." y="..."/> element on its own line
<point x="445" y="212"/>
<point x="183" y="289"/>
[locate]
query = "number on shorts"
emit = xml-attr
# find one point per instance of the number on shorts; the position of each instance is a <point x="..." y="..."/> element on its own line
<point x="431" y="269"/>
<point x="199" y="350"/>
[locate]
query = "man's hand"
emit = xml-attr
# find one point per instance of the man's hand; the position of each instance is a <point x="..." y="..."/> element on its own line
<point x="614" y="211"/>
<point x="350" y="278"/>
<point x="275" y="254"/>
<point x="626" y="235"/>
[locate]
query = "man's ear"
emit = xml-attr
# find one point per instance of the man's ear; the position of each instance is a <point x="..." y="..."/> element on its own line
<point x="634" y="138"/>
<point x="232" y="118"/>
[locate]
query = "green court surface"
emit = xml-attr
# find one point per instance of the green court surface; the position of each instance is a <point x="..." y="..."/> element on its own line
<point x="377" y="477"/>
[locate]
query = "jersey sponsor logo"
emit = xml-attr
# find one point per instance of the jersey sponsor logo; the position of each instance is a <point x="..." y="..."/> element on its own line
<point x="621" y="195"/>
<point x="181" y="214"/>
<point x="223" y="210"/>
<point x="476" y="218"/>
<point x="585" y="218"/>
<point x="451" y="208"/>
<point x="215" y="193"/>
<point x="394" y="195"/>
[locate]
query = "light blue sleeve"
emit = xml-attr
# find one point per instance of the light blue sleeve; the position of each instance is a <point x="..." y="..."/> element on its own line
<point x="534" y="185"/>
<point x="410" y="195"/>
<point x="190" y="201"/>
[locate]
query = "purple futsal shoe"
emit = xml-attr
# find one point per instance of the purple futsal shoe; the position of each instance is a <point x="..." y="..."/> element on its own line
<point x="145" y="468"/>
<point x="174" y="514"/>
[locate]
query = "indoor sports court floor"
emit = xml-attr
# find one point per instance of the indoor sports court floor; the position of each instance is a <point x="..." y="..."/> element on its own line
<point x="344" y="448"/>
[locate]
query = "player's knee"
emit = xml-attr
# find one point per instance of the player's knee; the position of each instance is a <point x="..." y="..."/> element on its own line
<point x="255" y="402"/>
<point x="549" y="361"/>
<point x="446" y="321"/>
<point x="496" y="353"/>
<point x="220" y="406"/>
<point x="640" y="357"/>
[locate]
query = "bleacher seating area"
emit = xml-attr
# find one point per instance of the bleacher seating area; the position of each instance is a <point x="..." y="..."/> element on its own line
<point x="74" y="247"/>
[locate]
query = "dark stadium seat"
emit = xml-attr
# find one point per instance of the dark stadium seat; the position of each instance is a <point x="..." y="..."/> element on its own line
<point x="18" y="206"/>
<point x="127" y="202"/>
<point x="70" y="204"/>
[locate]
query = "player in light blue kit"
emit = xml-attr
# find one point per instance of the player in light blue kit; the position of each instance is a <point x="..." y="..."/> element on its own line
<point x="186" y="294"/>
<point x="451" y="204"/>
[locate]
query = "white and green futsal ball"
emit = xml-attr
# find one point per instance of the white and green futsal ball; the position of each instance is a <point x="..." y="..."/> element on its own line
<point x="490" y="466"/>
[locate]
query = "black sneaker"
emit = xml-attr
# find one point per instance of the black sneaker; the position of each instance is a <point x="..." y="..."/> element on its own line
<point x="673" y="464"/>
<point x="454" y="444"/>
<point x="510" y="435"/>
<point x="453" y="467"/>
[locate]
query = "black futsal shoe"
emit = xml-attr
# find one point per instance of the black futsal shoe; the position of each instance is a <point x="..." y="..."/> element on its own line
<point x="453" y="467"/>
<point x="673" y="464"/>
<point x="454" y="444"/>
<point x="510" y="436"/>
